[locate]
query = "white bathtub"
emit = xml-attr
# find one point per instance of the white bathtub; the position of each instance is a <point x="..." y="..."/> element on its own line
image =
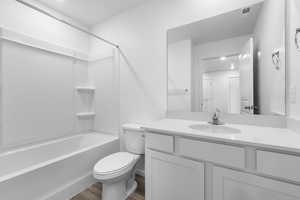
<point x="54" y="170"/>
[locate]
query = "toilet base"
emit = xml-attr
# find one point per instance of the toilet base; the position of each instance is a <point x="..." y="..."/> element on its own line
<point x="131" y="187"/>
<point x="119" y="190"/>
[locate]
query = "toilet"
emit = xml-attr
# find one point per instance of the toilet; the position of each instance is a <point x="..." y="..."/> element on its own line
<point x="117" y="171"/>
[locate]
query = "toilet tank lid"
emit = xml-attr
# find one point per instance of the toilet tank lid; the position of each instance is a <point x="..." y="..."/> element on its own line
<point x="133" y="127"/>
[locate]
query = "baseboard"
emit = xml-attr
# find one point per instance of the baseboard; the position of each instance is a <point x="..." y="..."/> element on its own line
<point x="71" y="189"/>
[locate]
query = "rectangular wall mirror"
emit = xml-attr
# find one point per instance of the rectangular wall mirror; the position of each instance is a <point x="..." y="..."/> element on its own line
<point x="234" y="62"/>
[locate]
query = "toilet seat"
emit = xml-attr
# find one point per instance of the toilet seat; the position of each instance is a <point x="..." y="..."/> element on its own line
<point x="115" y="165"/>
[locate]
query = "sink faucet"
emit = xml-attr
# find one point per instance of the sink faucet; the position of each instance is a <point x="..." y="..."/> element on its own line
<point x="216" y="118"/>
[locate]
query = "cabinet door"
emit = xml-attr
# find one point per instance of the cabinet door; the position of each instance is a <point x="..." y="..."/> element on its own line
<point x="233" y="185"/>
<point x="173" y="178"/>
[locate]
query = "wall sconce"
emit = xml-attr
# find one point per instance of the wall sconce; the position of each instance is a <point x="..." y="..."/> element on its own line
<point x="276" y="59"/>
<point x="297" y="39"/>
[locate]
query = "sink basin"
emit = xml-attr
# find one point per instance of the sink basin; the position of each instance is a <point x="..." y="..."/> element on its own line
<point x="216" y="129"/>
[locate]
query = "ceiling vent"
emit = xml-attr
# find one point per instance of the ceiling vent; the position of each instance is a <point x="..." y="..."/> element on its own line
<point x="246" y="11"/>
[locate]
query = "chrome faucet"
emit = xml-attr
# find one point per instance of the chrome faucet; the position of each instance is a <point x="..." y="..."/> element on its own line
<point x="216" y="118"/>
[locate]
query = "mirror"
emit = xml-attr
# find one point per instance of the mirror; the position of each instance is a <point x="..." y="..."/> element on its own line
<point x="234" y="62"/>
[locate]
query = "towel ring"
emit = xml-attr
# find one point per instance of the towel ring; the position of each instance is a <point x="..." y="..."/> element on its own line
<point x="276" y="59"/>
<point x="297" y="37"/>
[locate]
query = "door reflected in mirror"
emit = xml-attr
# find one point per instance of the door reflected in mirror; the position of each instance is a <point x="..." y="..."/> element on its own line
<point x="234" y="62"/>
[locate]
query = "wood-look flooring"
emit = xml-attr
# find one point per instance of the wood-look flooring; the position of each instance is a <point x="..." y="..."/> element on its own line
<point x="94" y="192"/>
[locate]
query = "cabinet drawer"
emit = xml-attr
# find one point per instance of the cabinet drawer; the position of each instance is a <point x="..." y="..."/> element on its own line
<point x="160" y="142"/>
<point x="217" y="153"/>
<point x="279" y="165"/>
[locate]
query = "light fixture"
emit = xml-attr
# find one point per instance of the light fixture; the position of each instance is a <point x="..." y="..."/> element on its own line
<point x="232" y="67"/>
<point x="297" y="39"/>
<point x="223" y="58"/>
<point x="240" y="56"/>
<point x="276" y="58"/>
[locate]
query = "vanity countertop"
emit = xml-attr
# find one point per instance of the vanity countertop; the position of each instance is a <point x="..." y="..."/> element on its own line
<point x="261" y="137"/>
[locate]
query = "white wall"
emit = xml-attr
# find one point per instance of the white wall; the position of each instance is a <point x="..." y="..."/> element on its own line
<point x="37" y="86"/>
<point x="141" y="33"/>
<point x="269" y="36"/>
<point x="179" y="75"/>
<point x="104" y="75"/>
<point x="293" y="59"/>
<point x="21" y="19"/>
<point x="37" y="94"/>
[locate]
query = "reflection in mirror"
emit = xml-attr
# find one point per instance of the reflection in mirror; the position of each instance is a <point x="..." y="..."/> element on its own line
<point x="234" y="62"/>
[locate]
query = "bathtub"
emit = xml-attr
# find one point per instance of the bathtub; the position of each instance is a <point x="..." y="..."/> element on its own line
<point x="54" y="170"/>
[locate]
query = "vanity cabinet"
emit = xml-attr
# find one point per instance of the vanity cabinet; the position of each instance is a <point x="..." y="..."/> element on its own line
<point x="234" y="185"/>
<point x="173" y="178"/>
<point x="196" y="169"/>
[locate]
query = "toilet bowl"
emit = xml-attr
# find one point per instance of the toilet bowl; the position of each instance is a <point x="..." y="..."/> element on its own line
<point x="116" y="172"/>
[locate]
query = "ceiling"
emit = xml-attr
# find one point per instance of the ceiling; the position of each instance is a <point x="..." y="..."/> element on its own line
<point x="212" y="65"/>
<point x="91" y="12"/>
<point x="228" y="25"/>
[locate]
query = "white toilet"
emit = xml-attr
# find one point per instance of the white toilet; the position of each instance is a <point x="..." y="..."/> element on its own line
<point x="116" y="172"/>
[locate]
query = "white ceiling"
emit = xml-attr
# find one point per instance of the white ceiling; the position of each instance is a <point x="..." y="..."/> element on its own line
<point x="228" y="25"/>
<point x="221" y="65"/>
<point x="91" y="12"/>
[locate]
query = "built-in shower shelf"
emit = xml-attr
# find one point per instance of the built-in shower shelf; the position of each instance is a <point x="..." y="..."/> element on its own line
<point x="86" y="115"/>
<point x="85" y="89"/>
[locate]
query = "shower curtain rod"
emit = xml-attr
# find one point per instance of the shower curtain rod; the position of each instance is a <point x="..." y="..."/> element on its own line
<point x="67" y="23"/>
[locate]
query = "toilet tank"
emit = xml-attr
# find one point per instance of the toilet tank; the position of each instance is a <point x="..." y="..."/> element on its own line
<point x="134" y="138"/>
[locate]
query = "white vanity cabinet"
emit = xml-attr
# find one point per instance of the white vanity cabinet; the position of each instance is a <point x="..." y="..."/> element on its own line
<point x="173" y="178"/>
<point x="180" y="168"/>
<point x="234" y="185"/>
